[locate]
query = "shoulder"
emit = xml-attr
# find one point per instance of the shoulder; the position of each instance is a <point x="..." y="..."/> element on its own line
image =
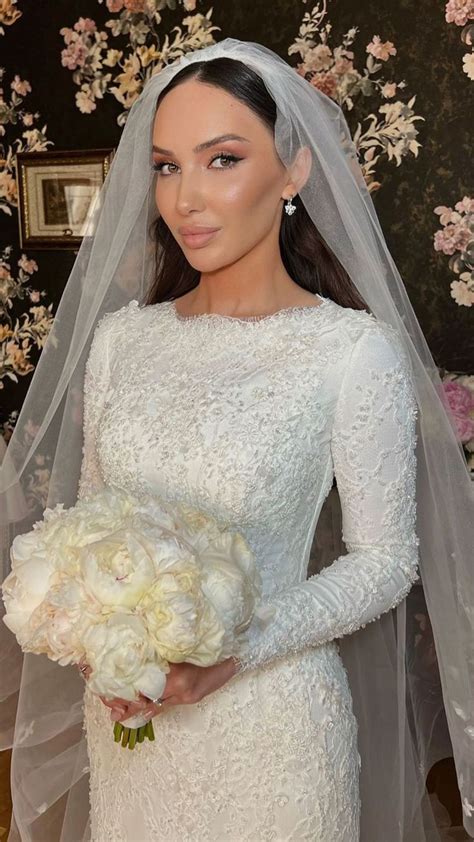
<point x="116" y="322"/>
<point x="110" y="324"/>
<point x="115" y="319"/>
<point x="376" y="361"/>
<point x="371" y="339"/>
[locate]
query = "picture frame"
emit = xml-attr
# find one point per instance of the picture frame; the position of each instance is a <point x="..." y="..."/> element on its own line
<point x="56" y="193"/>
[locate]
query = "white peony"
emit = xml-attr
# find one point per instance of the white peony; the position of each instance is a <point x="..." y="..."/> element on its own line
<point x="182" y="625"/>
<point x="232" y="583"/>
<point x="57" y="625"/>
<point x="122" y="659"/>
<point x="32" y="574"/>
<point x="119" y="569"/>
<point x="128" y="586"/>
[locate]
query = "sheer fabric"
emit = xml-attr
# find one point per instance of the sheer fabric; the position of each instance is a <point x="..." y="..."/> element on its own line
<point x="393" y="706"/>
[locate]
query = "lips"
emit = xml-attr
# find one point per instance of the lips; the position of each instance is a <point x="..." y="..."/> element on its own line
<point x="199" y="239"/>
<point x="197" y="229"/>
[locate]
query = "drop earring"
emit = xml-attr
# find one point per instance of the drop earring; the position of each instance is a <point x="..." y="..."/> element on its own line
<point x="290" y="207"/>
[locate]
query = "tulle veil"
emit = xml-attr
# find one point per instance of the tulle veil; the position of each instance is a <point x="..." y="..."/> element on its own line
<point x="403" y="729"/>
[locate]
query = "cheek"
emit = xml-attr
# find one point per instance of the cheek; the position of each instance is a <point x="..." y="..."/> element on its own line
<point x="251" y="204"/>
<point x="244" y="202"/>
<point x="161" y="201"/>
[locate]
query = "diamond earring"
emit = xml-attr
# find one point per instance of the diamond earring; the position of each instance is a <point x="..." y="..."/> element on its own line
<point x="290" y="207"/>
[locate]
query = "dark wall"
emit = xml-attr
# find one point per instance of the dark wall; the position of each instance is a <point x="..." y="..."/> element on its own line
<point x="428" y="62"/>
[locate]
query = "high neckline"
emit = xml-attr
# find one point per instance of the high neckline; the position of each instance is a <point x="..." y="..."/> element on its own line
<point x="195" y="317"/>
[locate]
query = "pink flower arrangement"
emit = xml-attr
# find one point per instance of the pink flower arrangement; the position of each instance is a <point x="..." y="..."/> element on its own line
<point x="461" y="403"/>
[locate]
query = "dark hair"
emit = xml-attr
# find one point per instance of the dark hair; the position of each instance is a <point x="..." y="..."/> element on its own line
<point x="307" y="258"/>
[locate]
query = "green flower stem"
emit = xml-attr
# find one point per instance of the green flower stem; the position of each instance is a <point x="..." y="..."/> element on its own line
<point x="133" y="737"/>
<point x="149" y="730"/>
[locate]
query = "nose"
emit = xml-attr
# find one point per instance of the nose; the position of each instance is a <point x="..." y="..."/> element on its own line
<point x="189" y="194"/>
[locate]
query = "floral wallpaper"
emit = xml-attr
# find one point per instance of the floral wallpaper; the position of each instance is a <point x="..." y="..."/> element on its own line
<point x="404" y="104"/>
<point x="402" y="73"/>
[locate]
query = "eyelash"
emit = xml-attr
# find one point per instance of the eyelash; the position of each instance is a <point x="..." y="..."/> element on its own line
<point x="227" y="155"/>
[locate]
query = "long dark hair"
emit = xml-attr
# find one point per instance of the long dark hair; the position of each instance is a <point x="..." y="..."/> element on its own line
<point x="307" y="258"/>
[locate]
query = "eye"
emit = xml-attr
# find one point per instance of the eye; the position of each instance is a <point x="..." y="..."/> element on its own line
<point x="228" y="157"/>
<point x="159" y="167"/>
<point x="232" y="159"/>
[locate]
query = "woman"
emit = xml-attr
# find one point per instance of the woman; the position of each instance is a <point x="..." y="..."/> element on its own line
<point x="250" y="377"/>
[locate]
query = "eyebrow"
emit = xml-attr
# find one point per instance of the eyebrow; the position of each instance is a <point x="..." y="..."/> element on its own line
<point x="206" y="144"/>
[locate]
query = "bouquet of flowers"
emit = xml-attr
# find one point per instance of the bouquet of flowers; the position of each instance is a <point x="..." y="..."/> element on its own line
<point x="129" y="586"/>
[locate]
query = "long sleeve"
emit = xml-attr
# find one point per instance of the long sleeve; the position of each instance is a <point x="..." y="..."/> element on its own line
<point x="96" y="380"/>
<point x="373" y="452"/>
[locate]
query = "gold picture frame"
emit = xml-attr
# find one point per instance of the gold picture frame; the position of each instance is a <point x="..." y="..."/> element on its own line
<point x="56" y="192"/>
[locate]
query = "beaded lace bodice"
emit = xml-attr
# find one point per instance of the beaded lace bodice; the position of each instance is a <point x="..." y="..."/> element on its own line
<point x="251" y="419"/>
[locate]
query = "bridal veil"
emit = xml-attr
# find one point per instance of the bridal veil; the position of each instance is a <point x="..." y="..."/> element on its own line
<point x="402" y="727"/>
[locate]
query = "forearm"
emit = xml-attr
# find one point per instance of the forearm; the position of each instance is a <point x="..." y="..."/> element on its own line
<point x="373" y="453"/>
<point x="355" y="590"/>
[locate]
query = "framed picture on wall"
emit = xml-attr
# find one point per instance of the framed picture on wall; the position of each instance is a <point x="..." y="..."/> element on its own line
<point x="56" y="194"/>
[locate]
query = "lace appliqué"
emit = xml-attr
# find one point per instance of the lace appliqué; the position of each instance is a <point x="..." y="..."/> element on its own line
<point x="251" y="420"/>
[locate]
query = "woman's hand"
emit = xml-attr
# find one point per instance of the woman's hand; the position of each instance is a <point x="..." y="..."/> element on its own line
<point x="185" y="684"/>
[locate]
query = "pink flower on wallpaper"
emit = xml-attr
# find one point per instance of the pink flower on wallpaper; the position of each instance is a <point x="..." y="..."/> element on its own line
<point x="28" y="266"/>
<point x="85" y="25"/>
<point x="75" y="54"/>
<point x="459" y="11"/>
<point x="461" y="403"/>
<point x="325" y="82"/>
<point x="8" y="187"/>
<point x="20" y="86"/>
<point x="115" y="5"/>
<point x="382" y="50"/>
<point x="453" y="237"/>
<point x="461" y="292"/>
<point x="468" y="64"/>
<point x="319" y="58"/>
<point x="466" y="205"/>
<point x="342" y="66"/>
<point x="389" y="90"/>
<point x="135" y="6"/>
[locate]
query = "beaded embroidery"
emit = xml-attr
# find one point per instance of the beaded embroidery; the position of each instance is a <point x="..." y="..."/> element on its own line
<point x="255" y="432"/>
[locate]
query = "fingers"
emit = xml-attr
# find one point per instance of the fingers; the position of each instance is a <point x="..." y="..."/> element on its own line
<point x="118" y="713"/>
<point x="116" y="701"/>
<point x="154" y="710"/>
<point x="124" y="708"/>
<point x="118" y="708"/>
<point x="138" y="706"/>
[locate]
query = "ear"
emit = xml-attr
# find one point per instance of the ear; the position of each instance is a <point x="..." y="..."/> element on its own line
<point x="298" y="172"/>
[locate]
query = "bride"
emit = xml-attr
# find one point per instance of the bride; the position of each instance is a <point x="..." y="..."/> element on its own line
<point x="246" y="356"/>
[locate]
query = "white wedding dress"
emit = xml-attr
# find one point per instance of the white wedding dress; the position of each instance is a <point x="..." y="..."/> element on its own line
<point x="251" y="419"/>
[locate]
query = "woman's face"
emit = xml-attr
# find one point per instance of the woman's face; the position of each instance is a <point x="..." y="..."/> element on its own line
<point x="232" y="185"/>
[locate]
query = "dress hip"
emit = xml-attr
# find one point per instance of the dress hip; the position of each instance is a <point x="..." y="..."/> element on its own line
<point x="271" y="755"/>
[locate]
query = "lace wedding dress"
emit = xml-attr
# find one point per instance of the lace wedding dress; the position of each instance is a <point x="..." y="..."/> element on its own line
<point x="251" y="419"/>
